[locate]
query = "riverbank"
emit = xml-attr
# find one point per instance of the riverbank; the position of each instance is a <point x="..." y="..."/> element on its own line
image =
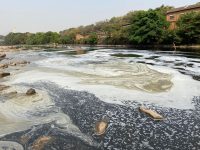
<point x="153" y="47"/>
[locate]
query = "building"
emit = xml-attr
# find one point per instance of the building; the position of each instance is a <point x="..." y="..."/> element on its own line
<point x="174" y="14"/>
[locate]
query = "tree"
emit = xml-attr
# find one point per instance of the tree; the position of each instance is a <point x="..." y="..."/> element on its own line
<point x="148" y="27"/>
<point x="16" y="38"/>
<point x="92" y="39"/>
<point x="188" y="28"/>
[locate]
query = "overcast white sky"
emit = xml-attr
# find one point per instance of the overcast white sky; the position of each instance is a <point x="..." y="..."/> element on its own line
<point x="57" y="15"/>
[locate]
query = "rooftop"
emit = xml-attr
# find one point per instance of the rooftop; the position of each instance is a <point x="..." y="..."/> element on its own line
<point x="184" y="8"/>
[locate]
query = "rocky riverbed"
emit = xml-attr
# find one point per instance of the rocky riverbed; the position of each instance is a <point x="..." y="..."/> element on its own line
<point x="52" y="99"/>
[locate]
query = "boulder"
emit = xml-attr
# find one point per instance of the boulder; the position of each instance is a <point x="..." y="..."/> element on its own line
<point x="152" y="113"/>
<point x="101" y="127"/>
<point x="2" y="55"/>
<point x="3" y="66"/>
<point x="4" y="74"/>
<point x="31" y="92"/>
<point x="41" y="142"/>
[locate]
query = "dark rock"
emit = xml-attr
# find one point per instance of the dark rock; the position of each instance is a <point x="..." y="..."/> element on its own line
<point x="190" y="65"/>
<point x="2" y="55"/>
<point x="4" y="74"/>
<point x="196" y="77"/>
<point x="31" y="92"/>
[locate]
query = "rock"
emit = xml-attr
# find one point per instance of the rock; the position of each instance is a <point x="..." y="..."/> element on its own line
<point x="4" y="74"/>
<point x="13" y="64"/>
<point x="3" y="66"/>
<point x="100" y="127"/>
<point x="2" y="55"/>
<point x="40" y="142"/>
<point x="3" y="87"/>
<point x="19" y="63"/>
<point x="152" y="113"/>
<point x="31" y="92"/>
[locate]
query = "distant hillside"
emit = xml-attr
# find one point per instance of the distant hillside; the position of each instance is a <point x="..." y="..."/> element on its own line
<point x="117" y="30"/>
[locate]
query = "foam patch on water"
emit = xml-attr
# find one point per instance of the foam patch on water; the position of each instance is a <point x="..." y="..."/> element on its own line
<point x="174" y="98"/>
<point x="21" y="112"/>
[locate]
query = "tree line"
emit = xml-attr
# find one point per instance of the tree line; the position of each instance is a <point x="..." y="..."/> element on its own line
<point x="135" y="28"/>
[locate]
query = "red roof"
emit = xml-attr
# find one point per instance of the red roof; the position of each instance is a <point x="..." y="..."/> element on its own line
<point x="184" y="8"/>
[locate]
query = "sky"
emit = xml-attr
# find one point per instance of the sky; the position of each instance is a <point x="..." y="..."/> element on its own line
<point x="57" y="15"/>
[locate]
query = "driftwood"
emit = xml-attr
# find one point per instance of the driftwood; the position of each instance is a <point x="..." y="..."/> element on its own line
<point x="152" y="113"/>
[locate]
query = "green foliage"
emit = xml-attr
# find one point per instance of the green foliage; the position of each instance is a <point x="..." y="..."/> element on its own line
<point x="137" y="27"/>
<point x="148" y="27"/>
<point x="170" y="36"/>
<point x="16" y="38"/>
<point x="66" y="39"/>
<point x="32" y="39"/>
<point x="188" y="28"/>
<point x="92" y="39"/>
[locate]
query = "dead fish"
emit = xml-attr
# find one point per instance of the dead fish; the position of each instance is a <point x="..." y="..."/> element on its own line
<point x="152" y="113"/>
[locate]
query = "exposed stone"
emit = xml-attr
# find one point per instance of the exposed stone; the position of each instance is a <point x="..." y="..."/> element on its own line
<point x="3" y="66"/>
<point x="152" y="113"/>
<point x="40" y="142"/>
<point x="4" y="74"/>
<point x="101" y="127"/>
<point x="31" y="92"/>
<point x="19" y="63"/>
<point x="2" y="55"/>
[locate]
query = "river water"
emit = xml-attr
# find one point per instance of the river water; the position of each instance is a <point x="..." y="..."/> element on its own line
<point x="76" y="87"/>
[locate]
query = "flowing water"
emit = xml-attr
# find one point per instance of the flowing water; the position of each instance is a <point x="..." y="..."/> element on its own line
<point x="78" y="87"/>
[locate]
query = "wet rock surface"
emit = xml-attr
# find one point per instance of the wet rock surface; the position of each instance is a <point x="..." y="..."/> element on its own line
<point x="2" y="55"/>
<point x="4" y="74"/>
<point x="3" y="66"/>
<point x="31" y="92"/>
<point x="128" y="128"/>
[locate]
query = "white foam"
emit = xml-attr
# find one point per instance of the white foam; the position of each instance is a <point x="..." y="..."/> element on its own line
<point x="179" y="96"/>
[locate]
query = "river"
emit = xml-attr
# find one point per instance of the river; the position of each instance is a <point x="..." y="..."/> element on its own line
<point x="78" y="86"/>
